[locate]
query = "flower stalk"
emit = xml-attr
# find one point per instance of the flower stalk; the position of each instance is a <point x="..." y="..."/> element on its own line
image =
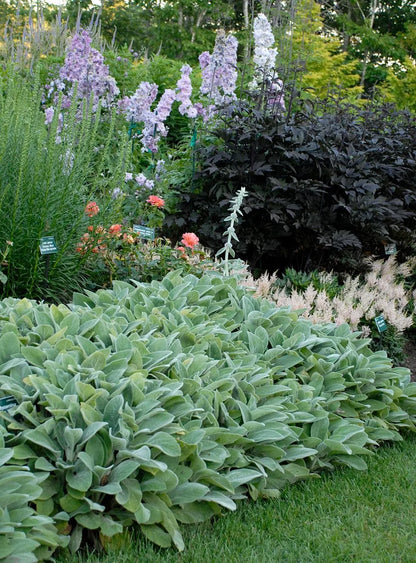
<point x="235" y="209"/>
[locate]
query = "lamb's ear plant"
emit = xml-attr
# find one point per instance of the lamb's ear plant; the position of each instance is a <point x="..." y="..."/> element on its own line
<point x="165" y="403"/>
<point x="230" y="233"/>
<point x="25" y="535"/>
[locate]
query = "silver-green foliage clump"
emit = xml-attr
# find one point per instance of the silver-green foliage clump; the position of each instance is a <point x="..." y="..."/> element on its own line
<point x="25" y="535"/>
<point x="163" y="403"/>
<point x="235" y="209"/>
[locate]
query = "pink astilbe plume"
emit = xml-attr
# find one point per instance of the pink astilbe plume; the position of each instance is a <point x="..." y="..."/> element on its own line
<point x="358" y="301"/>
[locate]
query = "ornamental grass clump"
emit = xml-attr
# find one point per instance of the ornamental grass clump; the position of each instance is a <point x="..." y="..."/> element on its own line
<point x="162" y="404"/>
<point x="47" y="178"/>
<point x="27" y="41"/>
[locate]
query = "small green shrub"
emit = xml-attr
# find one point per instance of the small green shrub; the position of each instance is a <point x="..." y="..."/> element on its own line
<point x="164" y="403"/>
<point x="292" y="280"/>
<point x="122" y="255"/>
<point x="390" y="340"/>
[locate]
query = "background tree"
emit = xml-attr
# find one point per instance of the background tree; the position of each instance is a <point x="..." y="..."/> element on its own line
<point x="177" y="29"/>
<point x="374" y="32"/>
<point x="308" y="46"/>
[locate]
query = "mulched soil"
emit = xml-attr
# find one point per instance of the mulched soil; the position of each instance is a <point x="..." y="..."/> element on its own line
<point x="410" y="360"/>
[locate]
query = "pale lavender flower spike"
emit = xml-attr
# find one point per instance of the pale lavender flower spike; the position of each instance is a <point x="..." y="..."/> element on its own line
<point x="137" y="108"/>
<point x="84" y="66"/>
<point x="264" y="60"/>
<point x="219" y="71"/>
<point x="264" y="57"/>
<point x="184" y="87"/>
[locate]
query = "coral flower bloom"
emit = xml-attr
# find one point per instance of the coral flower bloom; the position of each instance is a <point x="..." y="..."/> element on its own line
<point x="91" y="209"/>
<point x="114" y="229"/>
<point x="156" y="201"/>
<point x="189" y="240"/>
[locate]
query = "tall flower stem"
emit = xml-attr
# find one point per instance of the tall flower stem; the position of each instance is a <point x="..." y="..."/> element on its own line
<point x="235" y="209"/>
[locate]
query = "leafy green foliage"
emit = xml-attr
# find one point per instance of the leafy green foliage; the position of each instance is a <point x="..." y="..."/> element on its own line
<point x="344" y="515"/>
<point x="325" y="66"/>
<point x="300" y="281"/>
<point x="125" y="256"/>
<point x="25" y="535"/>
<point x="399" y="85"/>
<point x="390" y="340"/>
<point x="181" y="30"/>
<point x="327" y="185"/>
<point x="164" y="403"/>
<point x="378" y="35"/>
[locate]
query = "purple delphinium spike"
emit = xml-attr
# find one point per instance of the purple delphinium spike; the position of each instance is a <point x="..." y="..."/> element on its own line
<point x="184" y="87"/>
<point x="219" y="71"/>
<point x="84" y="66"/>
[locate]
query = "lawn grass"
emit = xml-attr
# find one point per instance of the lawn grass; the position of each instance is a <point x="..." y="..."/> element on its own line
<point x="345" y="516"/>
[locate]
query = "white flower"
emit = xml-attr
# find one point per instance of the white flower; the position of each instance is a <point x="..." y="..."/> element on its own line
<point x="264" y="57"/>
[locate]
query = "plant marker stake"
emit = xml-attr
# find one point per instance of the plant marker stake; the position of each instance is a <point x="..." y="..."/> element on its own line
<point x="380" y="323"/>
<point x="381" y="326"/>
<point x="47" y="264"/>
<point x="7" y="403"/>
<point x="146" y="233"/>
<point x="47" y="247"/>
<point x="390" y="249"/>
<point x="193" y="143"/>
<point x="132" y="134"/>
